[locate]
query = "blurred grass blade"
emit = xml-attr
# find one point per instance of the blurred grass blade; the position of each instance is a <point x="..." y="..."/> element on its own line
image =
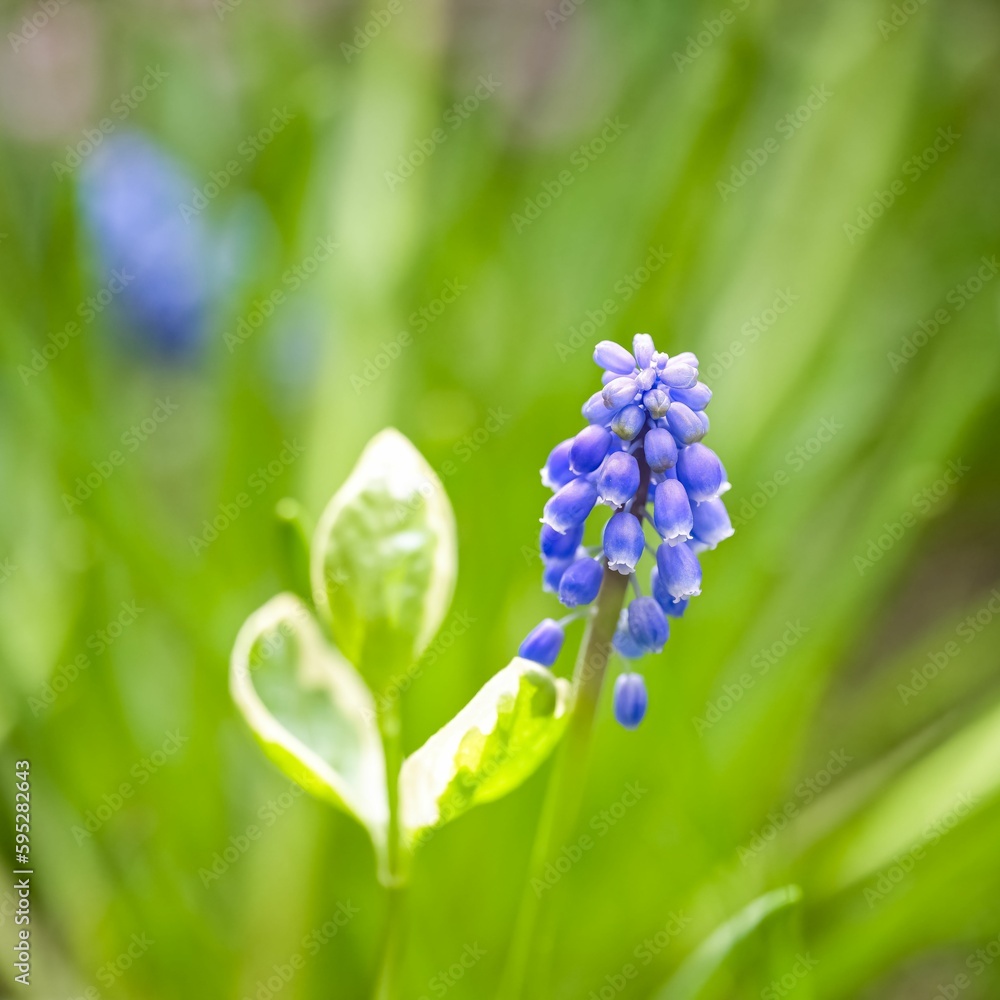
<point x="699" y="967"/>
<point x="487" y="749"/>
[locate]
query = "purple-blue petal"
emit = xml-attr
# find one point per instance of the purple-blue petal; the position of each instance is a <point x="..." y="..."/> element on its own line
<point x="580" y="583"/>
<point x="543" y="643"/>
<point x="679" y="569"/>
<point x="672" y="515"/>
<point x="614" y="357"/>
<point x="700" y="470"/>
<point x="623" y="542"/>
<point x="660" y="449"/>
<point x="589" y="448"/>
<point x="630" y="700"/>
<point x="618" y="479"/>
<point x="684" y="424"/>
<point x="571" y="505"/>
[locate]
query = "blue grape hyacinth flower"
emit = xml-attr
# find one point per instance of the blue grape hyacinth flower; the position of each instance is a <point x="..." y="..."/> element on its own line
<point x="129" y="195"/>
<point x="641" y="454"/>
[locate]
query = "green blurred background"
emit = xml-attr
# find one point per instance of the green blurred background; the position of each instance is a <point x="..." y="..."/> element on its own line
<point x="806" y="194"/>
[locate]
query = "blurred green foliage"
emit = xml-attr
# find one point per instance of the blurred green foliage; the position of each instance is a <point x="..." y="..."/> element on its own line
<point x="803" y="193"/>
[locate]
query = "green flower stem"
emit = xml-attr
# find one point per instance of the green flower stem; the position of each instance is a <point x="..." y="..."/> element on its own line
<point x="526" y="973"/>
<point x="387" y="987"/>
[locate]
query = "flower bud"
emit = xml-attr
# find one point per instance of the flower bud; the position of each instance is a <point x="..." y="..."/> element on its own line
<point x="618" y="480"/>
<point x="684" y="424"/>
<point x="543" y="643"/>
<point x="630" y="700"/>
<point x="678" y="375"/>
<point x="623" y="642"/>
<point x="596" y="411"/>
<point x="570" y="506"/>
<point x="672" y="514"/>
<point x="711" y="523"/>
<point x="580" y="583"/>
<point x="556" y="545"/>
<point x="657" y="402"/>
<point x="673" y="607"/>
<point x="588" y="449"/>
<point x="699" y="469"/>
<point x="695" y="398"/>
<point x="647" y="624"/>
<point x="623" y="542"/>
<point x="644" y="349"/>
<point x="660" y="449"/>
<point x="629" y="422"/>
<point x="610" y="355"/>
<point x="687" y="358"/>
<point x="619" y="392"/>
<point x="552" y="574"/>
<point x="556" y="472"/>
<point x="680" y="571"/>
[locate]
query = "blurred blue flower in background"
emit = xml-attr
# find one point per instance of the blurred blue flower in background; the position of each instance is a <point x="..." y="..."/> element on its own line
<point x="129" y="196"/>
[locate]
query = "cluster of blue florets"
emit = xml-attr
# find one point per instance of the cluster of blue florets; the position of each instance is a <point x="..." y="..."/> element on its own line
<point x="640" y="454"/>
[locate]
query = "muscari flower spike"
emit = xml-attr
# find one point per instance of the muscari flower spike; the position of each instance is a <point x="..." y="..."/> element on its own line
<point x="641" y="454"/>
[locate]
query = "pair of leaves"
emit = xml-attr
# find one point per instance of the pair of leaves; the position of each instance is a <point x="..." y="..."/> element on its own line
<point x="383" y="566"/>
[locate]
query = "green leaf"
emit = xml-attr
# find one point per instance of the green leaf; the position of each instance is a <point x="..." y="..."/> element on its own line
<point x="487" y="750"/>
<point x="384" y="558"/>
<point x="708" y="957"/>
<point x="311" y="711"/>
